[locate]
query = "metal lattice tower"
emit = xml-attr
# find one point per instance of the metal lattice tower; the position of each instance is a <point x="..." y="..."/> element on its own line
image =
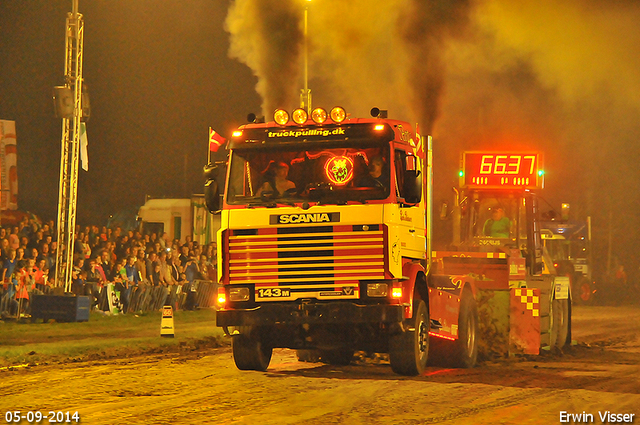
<point x="70" y="152"/>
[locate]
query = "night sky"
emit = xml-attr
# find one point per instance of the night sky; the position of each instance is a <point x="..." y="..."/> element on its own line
<point x="158" y="75"/>
<point x="484" y="74"/>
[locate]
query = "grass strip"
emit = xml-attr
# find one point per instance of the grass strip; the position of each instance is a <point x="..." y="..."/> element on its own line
<point x="104" y="336"/>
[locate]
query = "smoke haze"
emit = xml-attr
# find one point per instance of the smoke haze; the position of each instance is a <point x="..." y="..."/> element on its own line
<point x="560" y="77"/>
<point x="267" y="36"/>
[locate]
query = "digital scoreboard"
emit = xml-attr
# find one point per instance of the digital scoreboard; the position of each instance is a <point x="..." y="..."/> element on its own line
<point x="501" y="170"/>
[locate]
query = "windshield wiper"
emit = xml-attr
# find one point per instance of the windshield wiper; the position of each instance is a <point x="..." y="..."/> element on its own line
<point x="262" y="204"/>
<point x="332" y="202"/>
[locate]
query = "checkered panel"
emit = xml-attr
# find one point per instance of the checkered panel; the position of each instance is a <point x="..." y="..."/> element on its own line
<point x="528" y="298"/>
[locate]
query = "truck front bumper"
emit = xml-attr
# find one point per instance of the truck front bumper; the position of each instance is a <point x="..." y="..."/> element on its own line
<point x="311" y="313"/>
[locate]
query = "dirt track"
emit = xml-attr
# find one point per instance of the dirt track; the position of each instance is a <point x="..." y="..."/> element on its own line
<point x="601" y="373"/>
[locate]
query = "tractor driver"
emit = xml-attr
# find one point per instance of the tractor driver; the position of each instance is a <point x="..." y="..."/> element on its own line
<point x="498" y="226"/>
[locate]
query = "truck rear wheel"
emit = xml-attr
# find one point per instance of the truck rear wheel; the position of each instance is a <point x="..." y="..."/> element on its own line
<point x="338" y="357"/>
<point x="250" y="353"/>
<point x="466" y="346"/>
<point x="560" y="323"/>
<point x="409" y="350"/>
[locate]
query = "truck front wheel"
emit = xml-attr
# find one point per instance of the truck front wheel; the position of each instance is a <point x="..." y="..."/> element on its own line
<point x="409" y="350"/>
<point x="250" y="353"/>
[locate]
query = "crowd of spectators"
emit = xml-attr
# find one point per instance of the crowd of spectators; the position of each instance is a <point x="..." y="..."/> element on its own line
<point x="148" y="271"/>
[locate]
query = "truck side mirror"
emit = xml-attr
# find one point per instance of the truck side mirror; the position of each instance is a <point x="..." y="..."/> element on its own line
<point x="209" y="171"/>
<point x="212" y="196"/>
<point x="412" y="187"/>
<point x="411" y="163"/>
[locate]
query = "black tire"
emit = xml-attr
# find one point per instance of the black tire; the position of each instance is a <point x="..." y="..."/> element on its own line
<point x="409" y="350"/>
<point x="466" y="346"/>
<point x="250" y="353"/>
<point x="338" y="357"/>
<point x="560" y="323"/>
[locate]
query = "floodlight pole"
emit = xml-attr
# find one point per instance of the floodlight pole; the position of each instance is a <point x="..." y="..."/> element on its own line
<point x="70" y="150"/>
<point x="305" y="95"/>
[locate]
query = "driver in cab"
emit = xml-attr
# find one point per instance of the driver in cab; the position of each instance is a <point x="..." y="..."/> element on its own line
<point x="275" y="180"/>
<point x="498" y="226"/>
<point x="376" y="177"/>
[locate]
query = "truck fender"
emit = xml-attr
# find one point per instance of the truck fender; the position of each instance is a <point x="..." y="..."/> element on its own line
<point x="468" y="282"/>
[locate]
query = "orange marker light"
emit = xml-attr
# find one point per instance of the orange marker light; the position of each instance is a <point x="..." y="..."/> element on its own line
<point x="281" y="116"/>
<point x="338" y="114"/>
<point x="300" y="116"/>
<point x="319" y="115"/>
<point x="222" y="297"/>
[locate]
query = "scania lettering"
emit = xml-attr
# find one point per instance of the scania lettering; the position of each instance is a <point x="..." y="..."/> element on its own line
<point x="304" y="218"/>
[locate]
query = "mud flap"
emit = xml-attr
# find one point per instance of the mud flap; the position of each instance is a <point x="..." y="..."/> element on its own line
<point x="524" y="332"/>
<point x="493" y="323"/>
<point x="508" y="322"/>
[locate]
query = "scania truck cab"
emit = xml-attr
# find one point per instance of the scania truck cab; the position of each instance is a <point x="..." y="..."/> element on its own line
<point x="325" y="224"/>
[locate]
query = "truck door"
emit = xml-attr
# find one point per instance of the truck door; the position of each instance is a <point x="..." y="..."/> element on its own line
<point x="409" y="194"/>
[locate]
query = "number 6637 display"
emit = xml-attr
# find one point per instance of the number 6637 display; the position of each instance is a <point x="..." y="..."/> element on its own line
<point x="501" y="170"/>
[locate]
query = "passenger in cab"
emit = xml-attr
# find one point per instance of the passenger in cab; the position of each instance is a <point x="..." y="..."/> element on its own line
<point x="498" y="226"/>
<point x="275" y="177"/>
<point x="376" y="177"/>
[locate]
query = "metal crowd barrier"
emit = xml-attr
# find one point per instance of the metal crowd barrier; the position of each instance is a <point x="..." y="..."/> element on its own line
<point x="144" y="297"/>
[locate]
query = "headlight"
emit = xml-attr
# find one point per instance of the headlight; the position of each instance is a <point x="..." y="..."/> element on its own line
<point x="300" y="116"/>
<point x="319" y="115"/>
<point x="338" y="114"/>
<point x="239" y="294"/>
<point x="281" y="116"/>
<point x="377" y="289"/>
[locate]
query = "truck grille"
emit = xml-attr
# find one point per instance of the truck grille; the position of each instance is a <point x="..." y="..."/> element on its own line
<point x="323" y="262"/>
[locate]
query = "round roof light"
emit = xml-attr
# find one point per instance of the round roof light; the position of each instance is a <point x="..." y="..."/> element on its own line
<point x="300" y="116"/>
<point x="319" y="115"/>
<point x="281" y="116"/>
<point x="338" y="114"/>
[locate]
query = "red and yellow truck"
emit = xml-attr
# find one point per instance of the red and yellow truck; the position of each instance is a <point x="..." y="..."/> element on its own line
<point x="326" y="245"/>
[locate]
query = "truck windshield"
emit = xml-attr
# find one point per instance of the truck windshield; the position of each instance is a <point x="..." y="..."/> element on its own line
<point x="326" y="175"/>
<point x="496" y="217"/>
